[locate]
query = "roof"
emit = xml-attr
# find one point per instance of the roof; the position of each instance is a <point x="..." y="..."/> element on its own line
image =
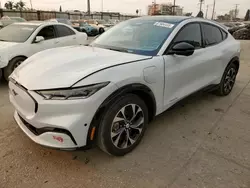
<point x="170" y="19"/>
<point x="36" y="23"/>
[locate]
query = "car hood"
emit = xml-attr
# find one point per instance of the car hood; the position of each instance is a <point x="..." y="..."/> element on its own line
<point x="7" y="45"/>
<point x="62" y="67"/>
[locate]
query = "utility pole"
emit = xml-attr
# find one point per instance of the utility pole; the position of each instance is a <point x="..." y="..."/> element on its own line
<point x="236" y="10"/>
<point x="102" y="5"/>
<point x="88" y="2"/>
<point x="201" y="2"/>
<point x="31" y="5"/>
<point x="207" y="11"/>
<point x="213" y="9"/>
<point x="174" y="8"/>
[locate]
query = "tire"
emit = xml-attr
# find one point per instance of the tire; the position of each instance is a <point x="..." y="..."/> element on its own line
<point x="114" y="129"/>
<point x="13" y="64"/>
<point x="228" y="80"/>
<point x="101" y="30"/>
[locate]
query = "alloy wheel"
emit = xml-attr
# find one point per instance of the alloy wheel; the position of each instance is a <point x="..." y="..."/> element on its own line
<point x="229" y="80"/>
<point x="127" y="126"/>
<point x="17" y="64"/>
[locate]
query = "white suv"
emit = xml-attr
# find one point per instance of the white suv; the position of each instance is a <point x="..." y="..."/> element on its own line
<point x="108" y="92"/>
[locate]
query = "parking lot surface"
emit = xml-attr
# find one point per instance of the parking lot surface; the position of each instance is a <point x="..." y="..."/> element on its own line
<point x="204" y="141"/>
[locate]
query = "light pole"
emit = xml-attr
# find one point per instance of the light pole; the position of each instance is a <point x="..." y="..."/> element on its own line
<point x="31" y="5"/>
<point x="88" y="2"/>
<point x="213" y="10"/>
<point x="102" y="5"/>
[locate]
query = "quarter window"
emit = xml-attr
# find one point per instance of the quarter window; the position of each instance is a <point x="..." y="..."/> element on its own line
<point x="191" y="33"/>
<point x="224" y="34"/>
<point x="211" y="34"/>
<point x="64" y="31"/>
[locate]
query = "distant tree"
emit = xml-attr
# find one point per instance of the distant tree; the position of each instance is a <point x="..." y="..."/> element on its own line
<point x="9" y="5"/>
<point x="247" y="17"/>
<point x="60" y="9"/>
<point x="200" y="14"/>
<point x="20" y="5"/>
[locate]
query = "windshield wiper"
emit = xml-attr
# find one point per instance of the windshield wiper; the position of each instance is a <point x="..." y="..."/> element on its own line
<point x="2" y="40"/>
<point x="119" y="50"/>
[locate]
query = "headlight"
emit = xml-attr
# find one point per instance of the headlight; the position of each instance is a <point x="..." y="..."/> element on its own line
<point x="72" y="93"/>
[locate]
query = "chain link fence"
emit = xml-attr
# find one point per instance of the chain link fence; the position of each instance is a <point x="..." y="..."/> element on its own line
<point x="45" y="15"/>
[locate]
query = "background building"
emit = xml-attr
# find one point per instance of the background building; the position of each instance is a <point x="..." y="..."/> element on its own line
<point x="164" y="9"/>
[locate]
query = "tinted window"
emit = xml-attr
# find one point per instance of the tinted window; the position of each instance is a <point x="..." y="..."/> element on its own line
<point x="64" y="31"/>
<point x="47" y="32"/>
<point x="191" y="33"/>
<point x="212" y="34"/>
<point x="16" y="33"/>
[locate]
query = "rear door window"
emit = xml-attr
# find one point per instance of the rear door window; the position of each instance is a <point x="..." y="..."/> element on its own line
<point x="64" y="31"/>
<point x="212" y="35"/>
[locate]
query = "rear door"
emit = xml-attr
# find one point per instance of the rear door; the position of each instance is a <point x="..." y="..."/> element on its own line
<point x="66" y="36"/>
<point x="216" y="49"/>
<point x="186" y="74"/>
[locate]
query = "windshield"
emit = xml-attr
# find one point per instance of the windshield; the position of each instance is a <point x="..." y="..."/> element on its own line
<point x="83" y="24"/>
<point x="136" y="36"/>
<point x="65" y="21"/>
<point x="16" y="33"/>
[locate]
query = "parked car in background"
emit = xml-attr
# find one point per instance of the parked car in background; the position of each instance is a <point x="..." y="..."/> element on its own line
<point x="85" y="27"/>
<point x="19" y="41"/>
<point x="65" y="21"/>
<point x="99" y="27"/>
<point x="108" y="92"/>
<point x="6" y="20"/>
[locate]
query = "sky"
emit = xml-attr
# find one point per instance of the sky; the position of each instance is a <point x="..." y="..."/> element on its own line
<point x="130" y="6"/>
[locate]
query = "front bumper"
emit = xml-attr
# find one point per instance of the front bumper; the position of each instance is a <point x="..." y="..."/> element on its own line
<point x="66" y="122"/>
<point x="48" y="139"/>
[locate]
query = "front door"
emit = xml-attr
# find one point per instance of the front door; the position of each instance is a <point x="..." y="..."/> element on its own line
<point x="50" y="40"/>
<point x="186" y="74"/>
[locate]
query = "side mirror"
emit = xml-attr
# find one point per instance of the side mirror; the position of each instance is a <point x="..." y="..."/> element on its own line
<point x="39" y="39"/>
<point x="182" y="48"/>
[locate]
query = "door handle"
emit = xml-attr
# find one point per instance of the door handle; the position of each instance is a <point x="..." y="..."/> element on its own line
<point x="56" y="42"/>
<point x="74" y="37"/>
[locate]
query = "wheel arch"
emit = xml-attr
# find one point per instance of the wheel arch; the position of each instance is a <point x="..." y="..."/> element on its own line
<point x="236" y="61"/>
<point x="140" y="90"/>
<point x="17" y="56"/>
